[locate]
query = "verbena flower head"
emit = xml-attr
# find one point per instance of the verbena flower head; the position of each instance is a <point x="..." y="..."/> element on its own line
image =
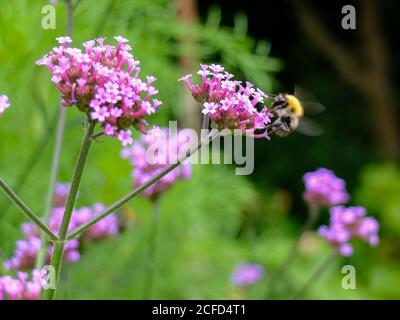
<point x="323" y="188"/>
<point x="103" y="81"/>
<point x="228" y="103"/>
<point x="347" y="224"/>
<point x="247" y="274"/>
<point x="4" y="103"/>
<point x="154" y="152"/>
<point x="21" y="288"/>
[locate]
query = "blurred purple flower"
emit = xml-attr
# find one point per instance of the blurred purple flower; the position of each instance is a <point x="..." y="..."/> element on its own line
<point x="323" y="188"/>
<point x="24" y="256"/>
<point x="347" y="224"/>
<point x="21" y="288"/>
<point x="27" y="250"/>
<point x="71" y="251"/>
<point x="105" y="228"/>
<point x="247" y="274"/>
<point x="165" y="151"/>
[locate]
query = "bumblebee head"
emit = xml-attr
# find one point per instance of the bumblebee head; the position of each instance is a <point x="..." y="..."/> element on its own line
<point x="294" y="105"/>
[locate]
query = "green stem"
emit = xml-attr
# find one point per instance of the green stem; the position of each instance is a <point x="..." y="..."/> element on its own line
<point x="313" y="213"/>
<point x="315" y="276"/>
<point x="120" y="203"/>
<point x="56" y="154"/>
<point x="149" y="281"/>
<point x="70" y="16"/>
<point x="52" y="183"/>
<point x="56" y="261"/>
<point x="97" y="135"/>
<point x="24" y="208"/>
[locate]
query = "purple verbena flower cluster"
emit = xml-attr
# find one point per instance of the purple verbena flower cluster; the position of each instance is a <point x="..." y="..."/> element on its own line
<point x="323" y="188"/>
<point x="347" y="224"/>
<point x="228" y="103"/>
<point x="4" y="103"/>
<point x="21" y="288"/>
<point x="27" y="250"/>
<point x="103" y="81"/>
<point x="247" y="274"/>
<point x="25" y="254"/>
<point x="105" y="228"/>
<point x="154" y="152"/>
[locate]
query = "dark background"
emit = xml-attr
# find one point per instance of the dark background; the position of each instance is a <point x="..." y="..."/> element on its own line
<point x="349" y="140"/>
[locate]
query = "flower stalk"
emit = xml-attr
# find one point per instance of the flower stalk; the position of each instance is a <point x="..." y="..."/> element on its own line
<point x="97" y="135"/>
<point x="56" y="261"/>
<point x="149" y="281"/>
<point x="315" y="276"/>
<point x="55" y="164"/>
<point x="313" y="213"/>
<point x="25" y="209"/>
<point x="52" y="183"/>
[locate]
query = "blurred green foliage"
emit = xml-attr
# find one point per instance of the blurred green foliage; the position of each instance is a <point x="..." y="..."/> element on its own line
<point x="380" y="192"/>
<point x="208" y="224"/>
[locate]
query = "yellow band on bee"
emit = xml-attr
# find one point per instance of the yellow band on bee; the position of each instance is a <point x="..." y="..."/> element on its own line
<point x="294" y="105"/>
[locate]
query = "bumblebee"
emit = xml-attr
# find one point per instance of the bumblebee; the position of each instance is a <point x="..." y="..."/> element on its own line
<point x="289" y="110"/>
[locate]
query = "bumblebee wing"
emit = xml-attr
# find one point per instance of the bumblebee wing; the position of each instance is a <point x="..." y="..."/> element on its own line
<point x="310" y="103"/>
<point x="313" y="107"/>
<point x="309" y="127"/>
<point x="303" y="94"/>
